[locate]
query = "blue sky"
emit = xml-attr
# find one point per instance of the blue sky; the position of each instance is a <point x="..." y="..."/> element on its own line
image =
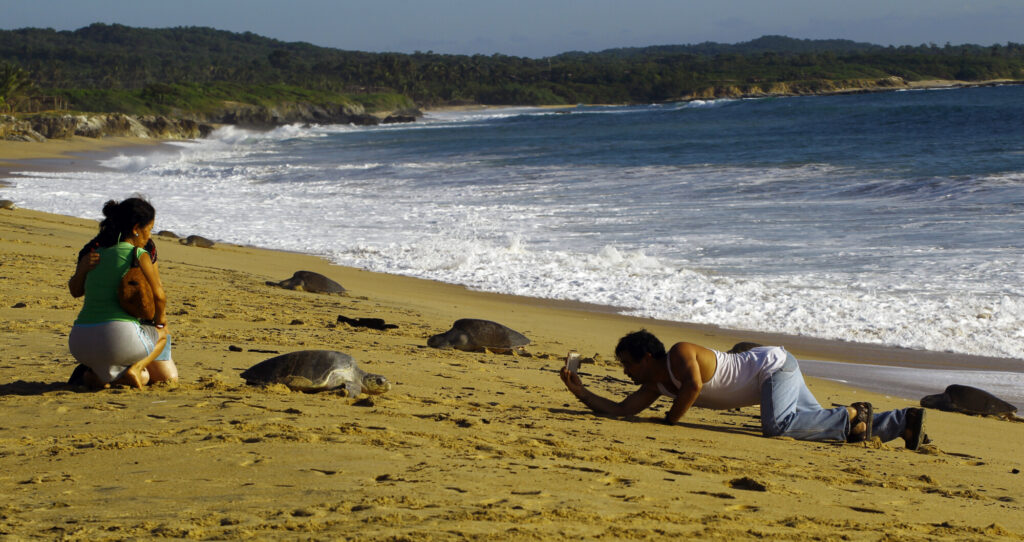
<point x="538" y="28"/>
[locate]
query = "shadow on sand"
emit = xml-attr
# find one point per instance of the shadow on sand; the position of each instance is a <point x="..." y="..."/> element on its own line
<point x="20" y="387"/>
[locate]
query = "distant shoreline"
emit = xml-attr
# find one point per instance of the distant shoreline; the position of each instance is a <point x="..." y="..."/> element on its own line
<point x="14" y="152"/>
<point x="929" y="84"/>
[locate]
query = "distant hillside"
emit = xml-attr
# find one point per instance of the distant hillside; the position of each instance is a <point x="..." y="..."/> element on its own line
<point x="764" y="44"/>
<point x="173" y="70"/>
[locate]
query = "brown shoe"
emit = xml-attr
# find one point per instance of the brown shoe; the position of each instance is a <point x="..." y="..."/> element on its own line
<point x="866" y="414"/>
<point x="915" y="424"/>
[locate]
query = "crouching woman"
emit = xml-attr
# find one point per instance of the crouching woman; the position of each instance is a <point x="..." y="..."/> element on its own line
<point x="112" y="346"/>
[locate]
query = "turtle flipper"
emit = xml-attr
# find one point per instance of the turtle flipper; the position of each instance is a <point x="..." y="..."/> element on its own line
<point x="350" y="389"/>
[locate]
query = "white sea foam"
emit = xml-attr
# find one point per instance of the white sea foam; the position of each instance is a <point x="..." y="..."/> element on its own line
<point x="692" y="104"/>
<point x="477" y="115"/>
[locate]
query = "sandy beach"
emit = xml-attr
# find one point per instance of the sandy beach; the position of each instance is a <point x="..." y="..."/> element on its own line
<point x="465" y="446"/>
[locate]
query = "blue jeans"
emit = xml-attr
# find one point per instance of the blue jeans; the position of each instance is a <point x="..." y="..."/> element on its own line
<point x="789" y="409"/>
<point x="890" y="425"/>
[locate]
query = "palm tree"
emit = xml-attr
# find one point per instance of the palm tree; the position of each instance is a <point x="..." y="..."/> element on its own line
<point x="15" y="86"/>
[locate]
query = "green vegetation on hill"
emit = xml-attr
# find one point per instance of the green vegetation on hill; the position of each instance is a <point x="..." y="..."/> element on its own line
<point x="188" y="69"/>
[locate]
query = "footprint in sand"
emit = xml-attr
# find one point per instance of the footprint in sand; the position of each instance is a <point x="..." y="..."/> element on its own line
<point x="252" y="462"/>
<point x="742" y="508"/>
<point x="716" y="495"/>
<point x="616" y="481"/>
<point x="325" y="472"/>
<point x="866" y="510"/>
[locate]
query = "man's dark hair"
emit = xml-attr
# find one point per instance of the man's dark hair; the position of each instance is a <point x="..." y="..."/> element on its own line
<point x="743" y="346"/>
<point x="639" y="343"/>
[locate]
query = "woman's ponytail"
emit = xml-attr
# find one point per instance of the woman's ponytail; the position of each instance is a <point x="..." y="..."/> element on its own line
<point x="121" y="219"/>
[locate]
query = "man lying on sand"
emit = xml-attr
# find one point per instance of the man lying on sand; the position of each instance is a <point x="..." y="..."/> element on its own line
<point x="766" y="375"/>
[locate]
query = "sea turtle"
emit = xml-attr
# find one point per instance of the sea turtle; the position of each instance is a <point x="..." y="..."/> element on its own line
<point x="197" y="241"/>
<point x="471" y="334"/>
<point x="316" y="370"/>
<point x="959" y="398"/>
<point x="309" y="281"/>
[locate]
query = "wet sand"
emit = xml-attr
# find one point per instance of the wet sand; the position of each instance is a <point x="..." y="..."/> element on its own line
<point x="465" y="446"/>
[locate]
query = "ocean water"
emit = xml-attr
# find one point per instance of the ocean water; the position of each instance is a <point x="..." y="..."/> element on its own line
<point x="892" y="218"/>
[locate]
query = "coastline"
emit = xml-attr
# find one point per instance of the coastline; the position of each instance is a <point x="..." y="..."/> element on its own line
<point x="12" y="152"/>
<point x="81" y="153"/>
<point x="735" y="93"/>
<point x="76" y="152"/>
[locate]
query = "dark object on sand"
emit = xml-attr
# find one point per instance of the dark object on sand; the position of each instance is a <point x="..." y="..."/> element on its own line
<point x="7" y="204"/>
<point x="968" y="400"/>
<point x="316" y="370"/>
<point x="743" y="347"/>
<point x="197" y="241"/>
<point x="372" y="323"/>
<point x="308" y="281"/>
<point x="470" y="334"/>
<point x="168" y="233"/>
<point x="77" y="377"/>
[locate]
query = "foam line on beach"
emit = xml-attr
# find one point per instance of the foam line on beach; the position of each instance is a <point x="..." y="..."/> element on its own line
<point x="916" y="383"/>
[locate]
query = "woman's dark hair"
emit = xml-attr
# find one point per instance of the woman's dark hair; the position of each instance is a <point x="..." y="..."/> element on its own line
<point x="121" y="219"/>
<point x="639" y="343"/>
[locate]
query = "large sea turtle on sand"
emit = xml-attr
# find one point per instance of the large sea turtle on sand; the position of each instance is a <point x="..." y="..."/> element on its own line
<point x="959" y="398"/>
<point x="308" y="281"/>
<point x="316" y="370"/>
<point x="471" y="334"/>
<point x="197" y="241"/>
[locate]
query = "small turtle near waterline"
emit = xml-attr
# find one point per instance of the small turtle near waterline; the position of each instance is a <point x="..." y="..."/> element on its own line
<point x="197" y="241"/>
<point x="308" y="281"/>
<point x="470" y="334"/>
<point x="968" y="400"/>
<point x="316" y="370"/>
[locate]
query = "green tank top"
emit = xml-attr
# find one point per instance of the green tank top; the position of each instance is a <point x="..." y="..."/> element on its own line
<point x="101" y="304"/>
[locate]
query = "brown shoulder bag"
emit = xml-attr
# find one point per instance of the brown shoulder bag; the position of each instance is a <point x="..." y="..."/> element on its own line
<point x="135" y="293"/>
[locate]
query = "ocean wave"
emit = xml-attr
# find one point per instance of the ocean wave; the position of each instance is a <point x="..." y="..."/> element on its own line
<point x="127" y="162"/>
<point x="704" y="104"/>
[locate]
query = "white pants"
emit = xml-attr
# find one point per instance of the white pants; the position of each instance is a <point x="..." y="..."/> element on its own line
<point x="111" y="347"/>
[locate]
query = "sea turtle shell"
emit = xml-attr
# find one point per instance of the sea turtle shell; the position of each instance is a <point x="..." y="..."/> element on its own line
<point x="316" y="370"/>
<point x="471" y="334"/>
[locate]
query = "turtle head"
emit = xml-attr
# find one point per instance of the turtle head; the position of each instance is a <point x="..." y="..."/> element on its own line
<point x="938" y="400"/>
<point x="375" y="384"/>
<point x="452" y="338"/>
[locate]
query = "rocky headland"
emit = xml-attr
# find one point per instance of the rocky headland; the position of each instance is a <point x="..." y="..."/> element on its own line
<point x="191" y="125"/>
<point x="828" y="86"/>
<point x="55" y="125"/>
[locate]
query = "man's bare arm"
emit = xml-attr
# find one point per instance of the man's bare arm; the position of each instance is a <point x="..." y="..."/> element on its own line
<point x="684" y="356"/>
<point x="633" y="404"/>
